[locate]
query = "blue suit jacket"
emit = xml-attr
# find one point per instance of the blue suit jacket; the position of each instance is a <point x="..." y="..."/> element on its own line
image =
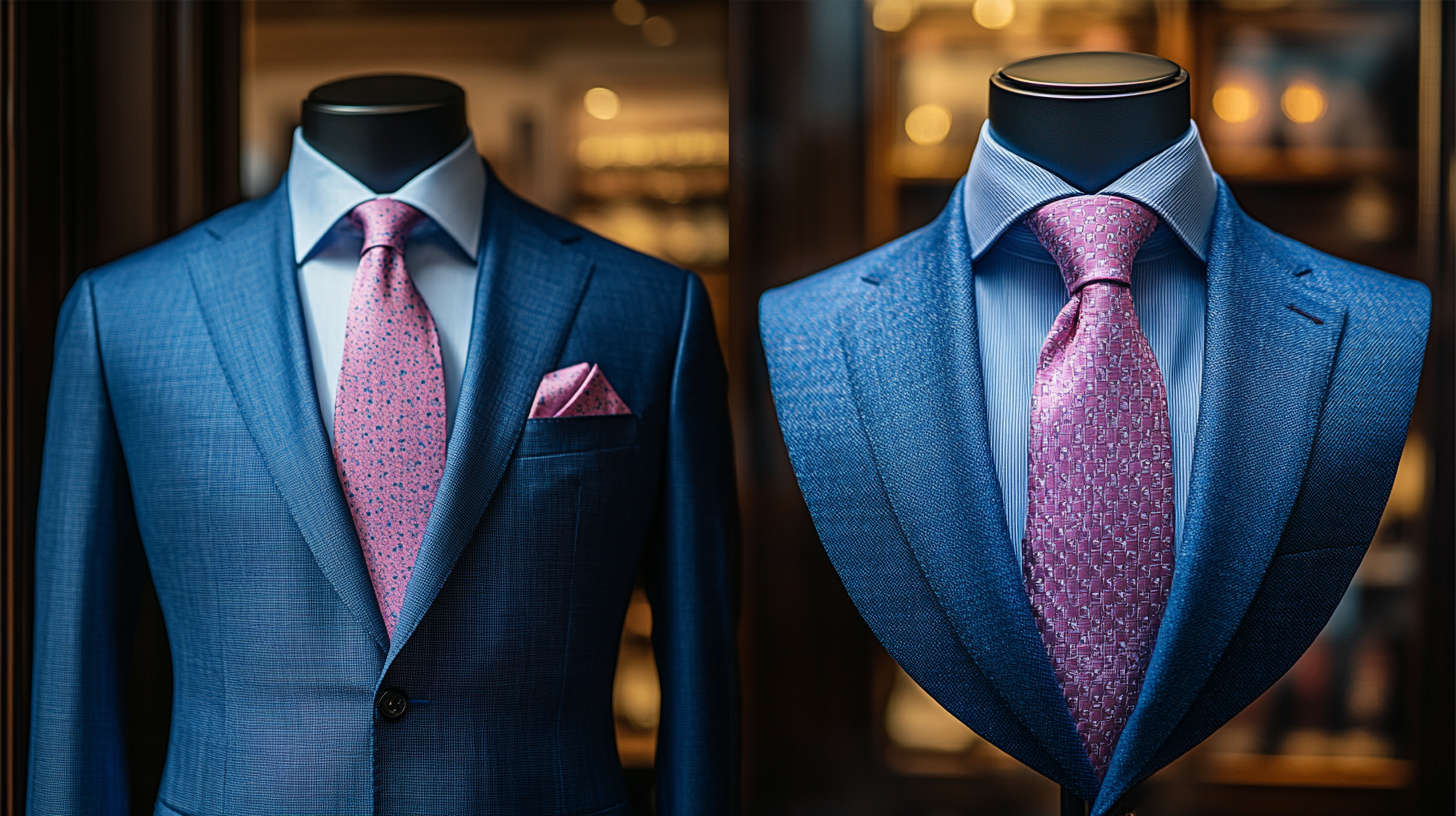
<point x="184" y="427"/>
<point x="1310" y="370"/>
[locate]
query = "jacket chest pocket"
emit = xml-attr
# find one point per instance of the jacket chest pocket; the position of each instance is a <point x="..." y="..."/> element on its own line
<point x="568" y="435"/>
<point x="567" y="470"/>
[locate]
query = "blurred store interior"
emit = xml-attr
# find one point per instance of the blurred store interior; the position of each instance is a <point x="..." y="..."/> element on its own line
<point x="852" y="123"/>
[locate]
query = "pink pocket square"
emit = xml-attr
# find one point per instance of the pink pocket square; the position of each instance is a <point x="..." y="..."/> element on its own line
<point x="576" y="391"/>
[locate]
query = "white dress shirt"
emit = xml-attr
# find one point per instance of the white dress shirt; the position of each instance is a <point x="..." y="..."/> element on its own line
<point x="440" y="255"/>
<point x="1019" y="292"/>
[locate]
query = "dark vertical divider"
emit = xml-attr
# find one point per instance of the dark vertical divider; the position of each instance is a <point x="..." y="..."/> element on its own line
<point x="1435" y="712"/>
<point x="796" y="73"/>
<point x="118" y="127"/>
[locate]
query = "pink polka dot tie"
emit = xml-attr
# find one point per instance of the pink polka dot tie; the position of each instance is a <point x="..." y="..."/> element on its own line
<point x="389" y="418"/>
<point x="1098" y="550"/>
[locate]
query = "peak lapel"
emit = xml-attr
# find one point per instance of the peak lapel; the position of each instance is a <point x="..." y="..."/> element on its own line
<point x="915" y="370"/>
<point x="526" y="296"/>
<point x="1266" y="372"/>
<point x="245" y="283"/>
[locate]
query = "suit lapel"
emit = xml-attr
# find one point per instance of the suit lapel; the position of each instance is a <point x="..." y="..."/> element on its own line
<point x="915" y="370"/>
<point x="526" y="296"/>
<point x="245" y="283"/>
<point x="1270" y="346"/>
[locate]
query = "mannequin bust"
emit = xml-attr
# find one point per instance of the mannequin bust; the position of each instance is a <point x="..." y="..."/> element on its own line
<point x="384" y="130"/>
<point x="1089" y="117"/>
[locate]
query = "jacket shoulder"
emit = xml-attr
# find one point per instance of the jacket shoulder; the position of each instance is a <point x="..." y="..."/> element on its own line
<point x="812" y="305"/>
<point x="1375" y="299"/>
<point x="1382" y="345"/>
<point x="604" y="253"/>
<point x="158" y="263"/>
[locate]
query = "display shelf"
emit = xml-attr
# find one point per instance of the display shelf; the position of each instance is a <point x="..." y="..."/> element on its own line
<point x="637" y="749"/>
<point x="1302" y="165"/>
<point x="1285" y="770"/>
<point x="982" y="761"/>
<point x="636" y="695"/>
<point x="940" y="162"/>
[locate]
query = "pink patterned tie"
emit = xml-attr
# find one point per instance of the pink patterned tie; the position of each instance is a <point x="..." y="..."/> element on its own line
<point x="1098" y="549"/>
<point x="389" y="418"/>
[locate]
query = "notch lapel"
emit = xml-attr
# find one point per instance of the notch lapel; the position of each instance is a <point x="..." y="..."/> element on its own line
<point x="1266" y="372"/>
<point x="246" y="284"/>
<point x="526" y="296"/>
<point x="915" y="371"/>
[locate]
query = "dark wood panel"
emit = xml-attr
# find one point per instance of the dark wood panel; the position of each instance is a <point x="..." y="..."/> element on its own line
<point x="796" y="83"/>
<point x="120" y="127"/>
<point x="1434" y="714"/>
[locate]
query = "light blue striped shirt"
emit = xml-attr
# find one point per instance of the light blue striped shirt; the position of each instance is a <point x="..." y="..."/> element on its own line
<point x="1019" y="292"/>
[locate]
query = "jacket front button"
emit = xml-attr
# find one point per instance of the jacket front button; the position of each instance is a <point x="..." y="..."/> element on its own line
<point x="391" y="704"/>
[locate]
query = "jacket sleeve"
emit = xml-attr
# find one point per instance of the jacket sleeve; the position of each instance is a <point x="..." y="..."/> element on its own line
<point x="87" y="566"/>
<point x="691" y="581"/>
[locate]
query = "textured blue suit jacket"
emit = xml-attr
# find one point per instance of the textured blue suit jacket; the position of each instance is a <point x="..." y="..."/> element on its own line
<point x="1310" y="370"/>
<point x="184" y="428"/>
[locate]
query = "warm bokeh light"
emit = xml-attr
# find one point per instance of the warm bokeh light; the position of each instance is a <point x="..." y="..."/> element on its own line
<point x="629" y="12"/>
<point x="1235" y="103"/>
<point x="659" y="31"/>
<point x="669" y="186"/>
<point x="893" y="15"/>
<point x="928" y="125"/>
<point x="914" y="720"/>
<point x="602" y="103"/>
<point x="686" y="148"/>
<point x="1408" y="493"/>
<point x="1303" y="102"/>
<point x="994" y="13"/>
<point x="684" y="242"/>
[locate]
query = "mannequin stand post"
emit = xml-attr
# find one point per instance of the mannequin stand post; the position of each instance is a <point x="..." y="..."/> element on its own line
<point x="1072" y="804"/>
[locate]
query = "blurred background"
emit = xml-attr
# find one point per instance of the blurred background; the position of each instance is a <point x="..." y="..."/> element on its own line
<point x="124" y="122"/>
<point x="1331" y="123"/>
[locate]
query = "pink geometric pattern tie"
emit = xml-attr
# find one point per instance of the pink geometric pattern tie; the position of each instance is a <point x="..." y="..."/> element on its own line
<point x="1098" y="549"/>
<point x="389" y="418"/>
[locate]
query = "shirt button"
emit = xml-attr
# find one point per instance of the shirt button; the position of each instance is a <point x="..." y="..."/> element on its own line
<point x="391" y="703"/>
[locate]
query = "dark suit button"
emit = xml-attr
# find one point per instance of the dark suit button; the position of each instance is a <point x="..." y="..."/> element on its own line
<point x="392" y="704"/>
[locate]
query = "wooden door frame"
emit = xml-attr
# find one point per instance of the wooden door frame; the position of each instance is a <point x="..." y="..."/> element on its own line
<point x="118" y="127"/>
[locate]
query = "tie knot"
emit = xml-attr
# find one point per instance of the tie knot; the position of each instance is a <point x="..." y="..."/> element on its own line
<point x="385" y="222"/>
<point x="1092" y="238"/>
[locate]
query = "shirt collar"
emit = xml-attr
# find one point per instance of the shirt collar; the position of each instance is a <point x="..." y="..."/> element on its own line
<point x="1178" y="184"/>
<point x="451" y="192"/>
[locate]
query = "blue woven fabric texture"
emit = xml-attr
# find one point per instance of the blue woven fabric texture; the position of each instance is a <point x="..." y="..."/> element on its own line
<point x="1310" y="370"/>
<point x="184" y="436"/>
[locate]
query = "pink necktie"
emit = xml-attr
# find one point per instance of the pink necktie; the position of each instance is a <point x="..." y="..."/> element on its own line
<point x="1098" y="550"/>
<point x="389" y="418"/>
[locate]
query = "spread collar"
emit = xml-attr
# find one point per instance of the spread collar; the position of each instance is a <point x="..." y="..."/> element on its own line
<point x="451" y="192"/>
<point x="1178" y="184"/>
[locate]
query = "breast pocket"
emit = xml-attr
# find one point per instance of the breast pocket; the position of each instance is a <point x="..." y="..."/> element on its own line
<point x="588" y="434"/>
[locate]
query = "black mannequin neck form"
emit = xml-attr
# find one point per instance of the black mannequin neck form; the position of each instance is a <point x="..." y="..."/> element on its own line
<point x="1089" y="117"/>
<point x="384" y="130"/>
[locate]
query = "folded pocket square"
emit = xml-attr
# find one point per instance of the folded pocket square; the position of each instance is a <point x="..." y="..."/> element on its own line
<point x="576" y="391"/>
